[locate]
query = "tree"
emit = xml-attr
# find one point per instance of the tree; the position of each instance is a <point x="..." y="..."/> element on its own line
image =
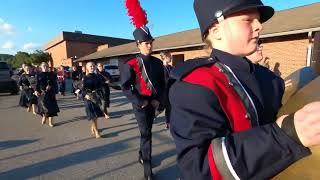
<point x="39" y="56"/>
<point x="19" y="59"/>
<point x="34" y="58"/>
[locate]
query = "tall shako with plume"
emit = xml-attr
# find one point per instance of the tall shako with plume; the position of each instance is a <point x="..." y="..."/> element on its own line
<point x="139" y="20"/>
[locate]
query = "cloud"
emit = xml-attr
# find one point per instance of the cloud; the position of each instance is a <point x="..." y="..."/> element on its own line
<point x="6" y="28"/>
<point x="31" y="46"/>
<point x="29" y="29"/>
<point x="8" y="45"/>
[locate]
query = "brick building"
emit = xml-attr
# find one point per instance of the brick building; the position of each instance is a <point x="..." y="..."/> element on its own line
<point x="288" y="41"/>
<point x="69" y="46"/>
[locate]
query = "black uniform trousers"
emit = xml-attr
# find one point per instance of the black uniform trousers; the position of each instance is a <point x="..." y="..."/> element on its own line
<point x="145" y="117"/>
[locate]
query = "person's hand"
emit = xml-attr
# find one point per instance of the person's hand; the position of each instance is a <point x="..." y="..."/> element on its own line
<point x="143" y="104"/>
<point x="37" y="93"/>
<point x="307" y="124"/>
<point x="21" y="88"/>
<point x="155" y="104"/>
<point x="87" y="97"/>
<point x="48" y="87"/>
<point x="107" y="82"/>
<point x="77" y="91"/>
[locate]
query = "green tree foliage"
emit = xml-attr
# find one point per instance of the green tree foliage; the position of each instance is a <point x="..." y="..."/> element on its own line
<point x="39" y="56"/>
<point x="35" y="58"/>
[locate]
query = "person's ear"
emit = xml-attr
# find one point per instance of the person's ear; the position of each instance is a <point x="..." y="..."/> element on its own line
<point x="214" y="32"/>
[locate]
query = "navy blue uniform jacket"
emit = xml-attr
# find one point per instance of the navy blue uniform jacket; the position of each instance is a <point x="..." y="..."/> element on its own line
<point x="198" y="124"/>
<point x="133" y="81"/>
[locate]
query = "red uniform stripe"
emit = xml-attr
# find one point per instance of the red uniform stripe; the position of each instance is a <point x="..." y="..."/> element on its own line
<point x="144" y="90"/>
<point x="215" y="174"/>
<point x="232" y="105"/>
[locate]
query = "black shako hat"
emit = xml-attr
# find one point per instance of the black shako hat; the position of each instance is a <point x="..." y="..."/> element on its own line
<point x="142" y="34"/>
<point x="139" y="20"/>
<point x="210" y="11"/>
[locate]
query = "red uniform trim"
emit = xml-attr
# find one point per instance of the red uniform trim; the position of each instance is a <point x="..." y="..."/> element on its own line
<point x="212" y="165"/>
<point x="144" y="90"/>
<point x="232" y="105"/>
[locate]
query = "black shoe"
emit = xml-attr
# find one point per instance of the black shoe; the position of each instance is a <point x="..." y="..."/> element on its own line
<point x="147" y="170"/>
<point x="149" y="177"/>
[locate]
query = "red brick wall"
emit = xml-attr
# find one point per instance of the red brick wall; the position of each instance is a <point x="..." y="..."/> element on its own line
<point x="80" y="49"/>
<point x="58" y="54"/>
<point x="290" y="52"/>
<point x="63" y="52"/>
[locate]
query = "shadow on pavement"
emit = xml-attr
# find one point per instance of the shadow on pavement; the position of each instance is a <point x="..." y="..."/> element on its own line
<point x="114" y="134"/>
<point x="15" y="143"/>
<point x="114" y="94"/>
<point x="99" y="176"/>
<point x="121" y="104"/>
<point x="10" y="107"/>
<point x="131" y="123"/>
<point x="44" y="167"/>
<point x="71" y="105"/>
<point x="171" y="172"/>
<point x="79" y="118"/>
<point x="7" y="94"/>
<point x="119" y="100"/>
<point x="88" y="155"/>
<point x="45" y="149"/>
<point x="118" y="114"/>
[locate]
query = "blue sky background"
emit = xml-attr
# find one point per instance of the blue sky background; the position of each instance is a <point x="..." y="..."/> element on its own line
<point x="26" y="25"/>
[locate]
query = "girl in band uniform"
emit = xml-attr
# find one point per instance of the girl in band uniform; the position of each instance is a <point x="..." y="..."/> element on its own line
<point x="46" y="89"/>
<point x="27" y="83"/>
<point x="105" y="79"/>
<point x="93" y="97"/>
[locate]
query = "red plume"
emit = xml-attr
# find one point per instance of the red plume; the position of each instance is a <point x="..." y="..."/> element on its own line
<point x="138" y="15"/>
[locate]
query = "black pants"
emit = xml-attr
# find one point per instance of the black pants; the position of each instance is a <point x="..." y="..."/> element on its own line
<point x="145" y="117"/>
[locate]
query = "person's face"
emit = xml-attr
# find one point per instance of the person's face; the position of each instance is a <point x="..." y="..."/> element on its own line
<point x="145" y="47"/>
<point x="167" y="58"/>
<point x="74" y="68"/>
<point x="100" y="67"/>
<point x="83" y="68"/>
<point x="90" y="67"/>
<point x="239" y="32"/>
<point x="27" y="69"/>
<point x="44" y="68"/>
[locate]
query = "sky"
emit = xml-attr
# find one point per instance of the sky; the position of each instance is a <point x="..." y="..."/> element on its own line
<point x="26" y="25"/>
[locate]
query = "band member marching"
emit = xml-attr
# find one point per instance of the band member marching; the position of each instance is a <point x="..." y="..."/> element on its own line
<point x="78" y="85"/>
<point x="224" y="108"/>
<point x="46" y="89"/>
<point x="93" y="97"/>
<point x="142" y="81"/>
<point x="61" y="74"/>
<point x="105" y="79"/>
<point x="167" y="64"/>
<point x="27" y="84"/>
<point x="75" y="78"/>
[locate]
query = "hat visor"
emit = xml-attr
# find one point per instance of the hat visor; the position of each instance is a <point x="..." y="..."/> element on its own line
<point x="266" y="12"/>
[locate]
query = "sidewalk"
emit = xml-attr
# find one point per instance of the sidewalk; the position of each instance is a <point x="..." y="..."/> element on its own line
<point x="29" y="150"/>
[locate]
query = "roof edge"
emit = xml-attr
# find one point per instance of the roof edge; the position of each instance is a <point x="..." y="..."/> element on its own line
<point x="290" y="32"/>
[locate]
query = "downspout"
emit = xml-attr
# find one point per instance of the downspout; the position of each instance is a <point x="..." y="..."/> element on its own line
<point x="309" y="55"/>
